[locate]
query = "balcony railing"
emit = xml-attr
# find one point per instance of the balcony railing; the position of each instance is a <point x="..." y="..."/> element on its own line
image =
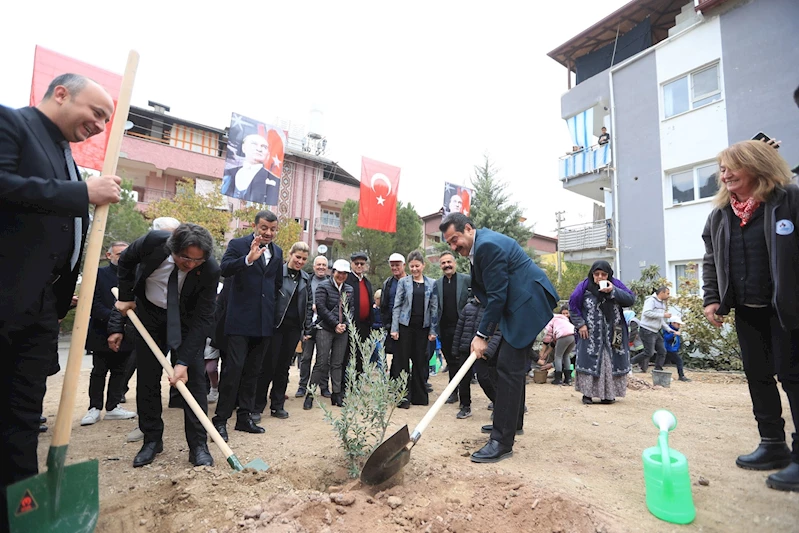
<point x="585" y="161"/>
<point x="594" y="235"/>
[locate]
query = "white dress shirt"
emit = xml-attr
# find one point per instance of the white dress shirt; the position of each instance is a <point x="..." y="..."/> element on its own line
<point x="155" y="286"/>
<point x="245" y="175"/>
<point x="266" y="257"/>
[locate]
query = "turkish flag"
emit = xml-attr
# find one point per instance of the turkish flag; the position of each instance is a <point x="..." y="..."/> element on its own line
<point x="378" y="205"/>
<point x="46" y="66"/>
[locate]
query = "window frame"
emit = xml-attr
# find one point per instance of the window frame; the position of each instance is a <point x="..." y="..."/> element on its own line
<point x="692" y="98"/>
<point x="328" y="215"/>
<point x="694" y="171"/>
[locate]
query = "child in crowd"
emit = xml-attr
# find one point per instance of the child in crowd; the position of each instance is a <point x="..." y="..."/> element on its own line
<point x="560" y="332"/>
<point x="673" y="341"/>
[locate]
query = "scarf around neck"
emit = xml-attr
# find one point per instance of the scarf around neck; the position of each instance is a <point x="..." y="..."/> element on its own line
<point x="744" y="210"/>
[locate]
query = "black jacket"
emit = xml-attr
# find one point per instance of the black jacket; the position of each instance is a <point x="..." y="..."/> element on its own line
<point x="385" y="310"/>
<point x="38" y="205"/>
<point x="781" y="216"/>
<point x="327" y="304"/>
<point x="355" y="303"/>
<point x="468" y="321"/>
<point x="102" y="309"/>
<point x="197" y="297"/>
<point x="304" y="299"/>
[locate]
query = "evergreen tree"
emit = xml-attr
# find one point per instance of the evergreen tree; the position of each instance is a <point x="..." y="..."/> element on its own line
<point x="491" y="206"/>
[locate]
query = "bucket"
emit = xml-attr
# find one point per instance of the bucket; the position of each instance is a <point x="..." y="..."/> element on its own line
<point x="539" y="376"/>
<point x="668" y="486"/>
<point x="661" y="377"/>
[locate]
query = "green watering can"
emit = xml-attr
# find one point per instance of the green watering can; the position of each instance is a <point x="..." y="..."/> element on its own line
<point x="668" y="485"/>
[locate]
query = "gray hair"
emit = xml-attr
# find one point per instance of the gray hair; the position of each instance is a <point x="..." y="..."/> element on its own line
<point x="115" y="244"/>
<point x="74" y="83"/>
<point x="165" y="223"/>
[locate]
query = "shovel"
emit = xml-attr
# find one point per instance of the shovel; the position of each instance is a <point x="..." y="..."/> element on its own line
<point x="66" y="499"/>
<point x="394" y="452"/>
<point x="232" y="460"/>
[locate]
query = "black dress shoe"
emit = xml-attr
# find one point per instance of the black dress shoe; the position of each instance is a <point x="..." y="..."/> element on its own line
<point x="785" y="479"/>
<point x="428" y="386"/>
<point x="147" y="453"/>
<point x="769" y="455"/>
<point x="326" y="393"/>
<point x="42" y="428"/>
<point x="488" y="428"/>
<point x="587" y="400"/>
<point x="405" y="404"/>
<point x="491" y="453"/>
<point x="200" y="456"/>
<point x="42" y="419"/>
<point x="300" y="393"/>
<point x="453" y="398"/>
<point x="337" y="400"/>
<point x="248" y="426"/>
<point x="222" y="429"/>
<point x="255" y="417"/>
<point x="307" y="405"/>
<point x="279" y="413"/>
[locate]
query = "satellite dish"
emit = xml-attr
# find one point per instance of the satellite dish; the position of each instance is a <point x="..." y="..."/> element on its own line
<point x="128" y="125"/>
<point x="322" y="248"/>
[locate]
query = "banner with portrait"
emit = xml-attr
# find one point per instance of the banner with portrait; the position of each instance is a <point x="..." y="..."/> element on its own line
<point x="254" y="161"/>
<point x="457" y="199"/>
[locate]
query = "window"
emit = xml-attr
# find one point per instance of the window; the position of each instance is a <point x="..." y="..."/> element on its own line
<point x="305" y="225"/>
<point x="331" y="218"/>
<point x="694" y="184"/>
<point x="687" y="277"/>
<point x="691" y="91"/>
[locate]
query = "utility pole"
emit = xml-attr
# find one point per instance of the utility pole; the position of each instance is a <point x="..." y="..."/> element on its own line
<point x="559" y="218"/>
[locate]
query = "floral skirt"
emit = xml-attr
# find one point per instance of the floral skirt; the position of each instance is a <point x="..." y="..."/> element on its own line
<point x="606" y="386"/>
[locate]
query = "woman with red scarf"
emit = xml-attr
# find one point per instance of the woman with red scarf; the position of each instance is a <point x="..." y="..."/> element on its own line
<point x="751" y="265"/>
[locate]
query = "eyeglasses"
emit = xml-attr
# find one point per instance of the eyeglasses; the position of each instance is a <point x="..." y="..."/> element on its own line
<point x="359" y="263"/>
<point x="191" y="259"/>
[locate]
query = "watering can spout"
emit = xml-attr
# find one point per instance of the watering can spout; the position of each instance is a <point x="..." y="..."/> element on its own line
<point x="664" y="420"/>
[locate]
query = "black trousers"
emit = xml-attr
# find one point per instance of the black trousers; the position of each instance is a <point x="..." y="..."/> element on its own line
<point x="29" y="345"/>
<point x="364" y="330"/>
<point x="412" y="347"/>
<point x="276" y="368"/>
<point x="447" y="336"/>
<point x="103" y="363"/>
<point x="509" y="402"/>
<point x="148" y="384"/>
<point x="242" y="369"/>
<point x="766" y="350"/>
<point x="465" y="386"/>
<point x="487" y="377"/>
<point x="130" y="368"/>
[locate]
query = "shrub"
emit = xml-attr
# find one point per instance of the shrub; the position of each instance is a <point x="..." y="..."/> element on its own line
<point x="370" y="401"/>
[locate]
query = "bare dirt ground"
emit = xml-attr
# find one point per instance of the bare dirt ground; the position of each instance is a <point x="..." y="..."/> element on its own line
<point x="577" y="468"/>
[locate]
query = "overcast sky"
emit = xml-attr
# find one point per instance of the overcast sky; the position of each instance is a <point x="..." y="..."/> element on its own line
<point x="426" y="86"/>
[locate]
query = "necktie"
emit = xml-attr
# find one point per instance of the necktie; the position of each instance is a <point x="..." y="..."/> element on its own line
<point x="173" y="337"/>
<point x="73" y="176"/>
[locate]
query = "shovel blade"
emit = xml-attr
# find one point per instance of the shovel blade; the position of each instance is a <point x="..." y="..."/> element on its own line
<point x="257" y="464"/>
<point x="388" y="458"/>
<point x="32" y="506"/>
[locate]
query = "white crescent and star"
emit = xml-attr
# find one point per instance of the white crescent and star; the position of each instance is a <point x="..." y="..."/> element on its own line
<point x="378" y="177"/>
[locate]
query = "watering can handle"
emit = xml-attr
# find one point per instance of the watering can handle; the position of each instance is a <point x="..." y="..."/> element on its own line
<point x="453" y="383"/>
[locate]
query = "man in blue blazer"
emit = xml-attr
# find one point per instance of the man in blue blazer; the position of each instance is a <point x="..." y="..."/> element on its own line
<point x="518" y="299"/>
<point x="254" y="265"/>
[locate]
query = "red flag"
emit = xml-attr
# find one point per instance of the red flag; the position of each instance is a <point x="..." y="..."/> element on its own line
<point x="46" y="66"/>
<point x="378" y="205"/>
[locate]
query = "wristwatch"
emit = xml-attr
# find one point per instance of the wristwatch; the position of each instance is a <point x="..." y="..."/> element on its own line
<point x="482" y="336"/>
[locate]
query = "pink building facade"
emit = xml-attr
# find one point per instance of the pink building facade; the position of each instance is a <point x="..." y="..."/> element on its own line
<point x="160" y="150"/>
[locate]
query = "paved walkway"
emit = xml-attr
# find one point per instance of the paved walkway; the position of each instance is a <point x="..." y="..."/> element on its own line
<point x="63" y="354"/>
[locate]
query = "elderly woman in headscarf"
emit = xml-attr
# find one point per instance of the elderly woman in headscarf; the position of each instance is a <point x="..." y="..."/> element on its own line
<point x="603" y="351"/>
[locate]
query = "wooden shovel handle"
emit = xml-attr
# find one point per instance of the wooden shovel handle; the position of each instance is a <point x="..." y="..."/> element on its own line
<point x="422" y="425"/>
<point x="187" y="396"/>
<point x="80" y="328"/>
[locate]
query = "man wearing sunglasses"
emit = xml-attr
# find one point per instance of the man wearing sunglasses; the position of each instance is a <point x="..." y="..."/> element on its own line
<point x="360" y="306"/>
<point x="170" y="279"/>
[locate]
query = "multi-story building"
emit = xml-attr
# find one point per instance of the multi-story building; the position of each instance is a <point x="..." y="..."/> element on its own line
<point x="159" y="150"/>
<point x="674" y="83"/>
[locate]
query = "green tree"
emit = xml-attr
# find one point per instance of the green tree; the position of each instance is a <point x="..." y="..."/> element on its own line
<point x="125" y="221"/>
<point x="202" y="209"/>
<point x="491" y="206"/>
<point x="379" y="244"/>
<point x="289" y="230"/>
<point x="646" y="285"/>
<point x="572" y="275"/>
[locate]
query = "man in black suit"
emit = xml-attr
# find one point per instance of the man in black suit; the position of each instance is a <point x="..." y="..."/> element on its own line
<point x="251" y="181"/>
<point x="253" y="265"/>
<point x="170" y="279"/>
<point x="361" y="307"/>
<point x="44" y="209"/>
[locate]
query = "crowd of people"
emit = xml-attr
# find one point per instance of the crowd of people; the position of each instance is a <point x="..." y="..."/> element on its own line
<point x="268" y="309"/>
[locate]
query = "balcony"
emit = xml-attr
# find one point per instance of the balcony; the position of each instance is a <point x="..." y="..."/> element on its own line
<point x="171" y="159"/>
<point x="334" y="194"/>
<point x="597" y="157"/>
<point x="586" y="243"/>
<point x="325" y="232"/>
